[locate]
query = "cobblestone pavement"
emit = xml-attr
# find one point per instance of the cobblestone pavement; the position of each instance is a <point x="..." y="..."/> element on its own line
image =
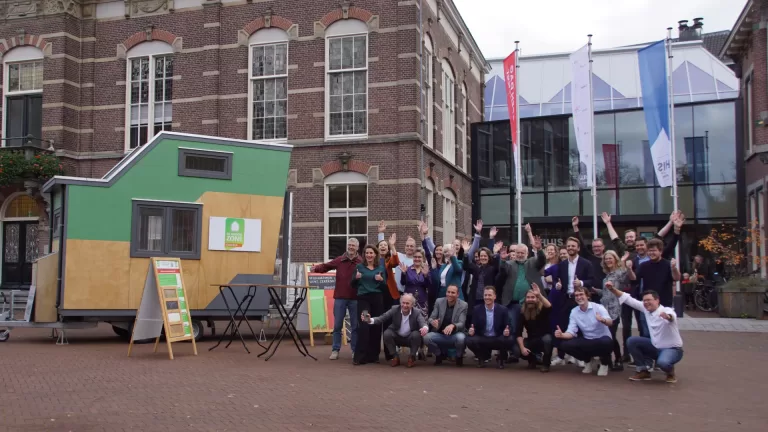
<point x="91" y="385"/>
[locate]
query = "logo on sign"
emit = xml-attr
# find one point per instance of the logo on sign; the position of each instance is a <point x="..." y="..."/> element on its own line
<point x="234" y="233"/>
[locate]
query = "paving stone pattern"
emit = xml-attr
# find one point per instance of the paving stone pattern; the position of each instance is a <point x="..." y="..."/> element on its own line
<point x="91" y="385"/>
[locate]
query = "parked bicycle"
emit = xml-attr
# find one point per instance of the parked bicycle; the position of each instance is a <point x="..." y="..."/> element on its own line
<point x="705" y="293"/>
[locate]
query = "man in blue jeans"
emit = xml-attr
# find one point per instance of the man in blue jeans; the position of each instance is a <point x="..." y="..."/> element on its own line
<point x="665" y="346"/>
<point x="447" y="326"/>
<point x="344" y="296"/>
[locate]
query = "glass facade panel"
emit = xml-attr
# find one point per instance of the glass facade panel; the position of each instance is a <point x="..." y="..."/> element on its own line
<point x="533" y="205"/>
<point x="562" y="204"/>
<point x="716" y="201"/>
<point x="496" y="209"/>
<point x="683" y="129"/>
<point x="606" y="201"/>
<point x="684" y="200"/>
<point x="635" y="164"/>
<point x="636" y="201"/>
<point x="712" y="148"/>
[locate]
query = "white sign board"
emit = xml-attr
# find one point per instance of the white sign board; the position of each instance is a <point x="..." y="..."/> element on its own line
<point x="149" y="321"/>
<point x="234" y="234"/>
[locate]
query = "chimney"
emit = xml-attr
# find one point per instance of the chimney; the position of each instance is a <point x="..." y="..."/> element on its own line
<point x="682" y="30"/>
<point x="698" y="23"/>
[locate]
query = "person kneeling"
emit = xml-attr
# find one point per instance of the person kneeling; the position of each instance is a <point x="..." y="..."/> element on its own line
<point x="665" y="345"/>
<point x="407" y="328"/>
<point x="535" y="319"/>
<point x="593" y="321"/>
<point x="447" y="321"/>
<point x="491" y="323"/>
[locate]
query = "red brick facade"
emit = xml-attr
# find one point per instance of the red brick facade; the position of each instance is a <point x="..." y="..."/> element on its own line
<point x="84" y="93"/>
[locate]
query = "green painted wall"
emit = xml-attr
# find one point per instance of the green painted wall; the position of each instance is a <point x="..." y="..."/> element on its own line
<point x="104" y="213"/>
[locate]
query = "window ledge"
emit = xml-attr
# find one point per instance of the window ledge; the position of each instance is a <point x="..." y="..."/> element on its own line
<point x="332" y="138"/>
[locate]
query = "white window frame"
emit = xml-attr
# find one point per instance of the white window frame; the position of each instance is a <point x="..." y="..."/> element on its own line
<point x="464" y="128"/>
<point x="748" y="86"/>
<point x="449" y="216"/>
<point x="449" y="113"/>
<point x="266" y="37"/>
<point x="151" y="50"/>
<point x="18" y="55"/>
<point x="430" y="207"/>
<point x="338" y="30"/>
<point x="430" y="87"/>
<point x="343" y="179"/>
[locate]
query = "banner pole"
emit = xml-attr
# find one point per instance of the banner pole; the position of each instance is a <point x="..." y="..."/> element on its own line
<point x="672" y="140"/>
<point x="518" y="169"/>
<point x="592" y="137"/>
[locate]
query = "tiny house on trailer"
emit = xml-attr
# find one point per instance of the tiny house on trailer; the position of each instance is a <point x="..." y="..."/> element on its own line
<point x="215" y="203"/>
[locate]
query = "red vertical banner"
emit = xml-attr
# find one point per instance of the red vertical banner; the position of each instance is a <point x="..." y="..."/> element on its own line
<point x="510" y="72"/>
<point x="611" y="162"/>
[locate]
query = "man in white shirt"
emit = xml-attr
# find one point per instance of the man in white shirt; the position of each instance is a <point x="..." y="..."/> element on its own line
<point x="407" y="329"/>
<point x="665" y="345"/>
<point x="594" y="323"/>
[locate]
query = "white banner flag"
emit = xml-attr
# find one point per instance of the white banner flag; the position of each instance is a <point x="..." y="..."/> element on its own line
<point x="581" y="95"/>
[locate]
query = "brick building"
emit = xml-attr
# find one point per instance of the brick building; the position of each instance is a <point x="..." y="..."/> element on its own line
<point x="746" y="46"/>
<point x="374" y="95"/>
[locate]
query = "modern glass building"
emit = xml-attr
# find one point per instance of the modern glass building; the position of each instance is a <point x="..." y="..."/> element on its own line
<point x="706" y="142"/>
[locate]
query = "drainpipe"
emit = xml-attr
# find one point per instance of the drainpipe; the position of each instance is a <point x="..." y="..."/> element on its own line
<point x="422" y="97"/>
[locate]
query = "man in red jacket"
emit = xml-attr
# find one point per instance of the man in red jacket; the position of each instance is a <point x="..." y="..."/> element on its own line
<point x="344" y="296"/>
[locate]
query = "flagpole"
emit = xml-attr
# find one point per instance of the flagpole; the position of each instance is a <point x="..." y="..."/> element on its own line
<point x="592" y="138"/>
<point x="672" y="140"/>
<point x="516" y="155"/>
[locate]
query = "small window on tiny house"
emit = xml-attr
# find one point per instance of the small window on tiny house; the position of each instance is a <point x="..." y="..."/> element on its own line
<point x="166" y="229"/>
<point x="205" y="164"/>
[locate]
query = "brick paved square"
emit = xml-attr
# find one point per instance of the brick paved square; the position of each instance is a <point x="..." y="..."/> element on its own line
<point x="91" y="385"/>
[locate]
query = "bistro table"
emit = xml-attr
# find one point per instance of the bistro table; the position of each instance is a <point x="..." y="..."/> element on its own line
<point x="233" y="328"/>
<point x="287" y="316"/>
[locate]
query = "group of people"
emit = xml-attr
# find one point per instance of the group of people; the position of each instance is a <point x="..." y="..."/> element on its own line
<point x="440" y="300"/>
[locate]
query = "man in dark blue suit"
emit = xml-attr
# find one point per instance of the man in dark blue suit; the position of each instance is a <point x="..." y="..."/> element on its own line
<point x="490" y="330"/>
<point x="571" y="273"/>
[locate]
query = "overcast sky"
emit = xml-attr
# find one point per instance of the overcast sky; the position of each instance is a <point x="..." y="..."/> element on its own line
<point x="552" y="26"/>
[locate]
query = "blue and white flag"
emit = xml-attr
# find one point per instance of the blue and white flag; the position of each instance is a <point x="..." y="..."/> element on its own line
<point x="652" y="61"/>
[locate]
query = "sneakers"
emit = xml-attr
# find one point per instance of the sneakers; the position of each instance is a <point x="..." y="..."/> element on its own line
<point x="603" y="370"/>
<point x="334" y="355"/>
<point x="641" y="376"/>
<point x="570" y="359"/>
<point x="588" y="367"/>
<point x="581" y="363"/>
<point x="557" y="361"/>
<point x="671" y="377"/>
<point x="395" y="361"/>
<point x="411" y="361"/>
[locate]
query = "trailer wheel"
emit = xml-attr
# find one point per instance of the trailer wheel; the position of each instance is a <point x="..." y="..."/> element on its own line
<point x="4" y="335"/>
<point x="198" y="330"/>
<point x="123" y="333"/>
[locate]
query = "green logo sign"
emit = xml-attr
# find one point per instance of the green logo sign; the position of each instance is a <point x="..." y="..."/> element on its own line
<point x="234" y="233"/>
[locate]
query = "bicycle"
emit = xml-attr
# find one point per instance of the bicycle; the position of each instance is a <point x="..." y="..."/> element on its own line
<point x="705" y="294"/>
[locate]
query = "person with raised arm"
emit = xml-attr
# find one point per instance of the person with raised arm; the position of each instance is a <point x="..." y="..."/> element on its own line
<point x="593" y="322"/>
<point x="534" y="318"/>
<point x="618" y="275"/>
<point x="344" y="294"/>
<point x="594" y="256"/>
<point x="665" y="346"/>
<point x="658" y="274"/>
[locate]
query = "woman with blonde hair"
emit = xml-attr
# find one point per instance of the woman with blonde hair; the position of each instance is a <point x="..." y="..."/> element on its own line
<point x="618" y="274"/>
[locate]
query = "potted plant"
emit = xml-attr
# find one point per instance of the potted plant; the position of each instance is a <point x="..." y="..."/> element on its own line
<point x="744" y="292"/>
<point x="31" y="168"/>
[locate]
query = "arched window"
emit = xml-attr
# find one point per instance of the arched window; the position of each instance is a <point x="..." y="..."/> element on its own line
<point x="449" y="216"/>
<point x="23" y="206"/>
<point x="268" y="91"/>
<point x="465" y="128"/>
<point x="346" y="66"/>
<point x="23" y="95"/>
<point x="346" y="211"/>
<point x="429" y="88"/>
<point x="449" y="115"/>
<point x="429" y="185"/>
<point x="149" y="92"/>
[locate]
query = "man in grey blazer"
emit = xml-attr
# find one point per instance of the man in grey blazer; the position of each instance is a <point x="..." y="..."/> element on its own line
<point x="448" y="321"/>
<point x="407" y="329"/>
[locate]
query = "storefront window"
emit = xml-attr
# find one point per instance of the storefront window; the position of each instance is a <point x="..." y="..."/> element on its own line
<point x="712" y="148"/>
<point x="636" y="201"/>
<point x="563" y="204"/>
<point x="606" y="201"/>
<point x="716" y="201"/>
<point x="495" y="209"/>
<point x="533" y="205"/>
<point x="684" y="200"/>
